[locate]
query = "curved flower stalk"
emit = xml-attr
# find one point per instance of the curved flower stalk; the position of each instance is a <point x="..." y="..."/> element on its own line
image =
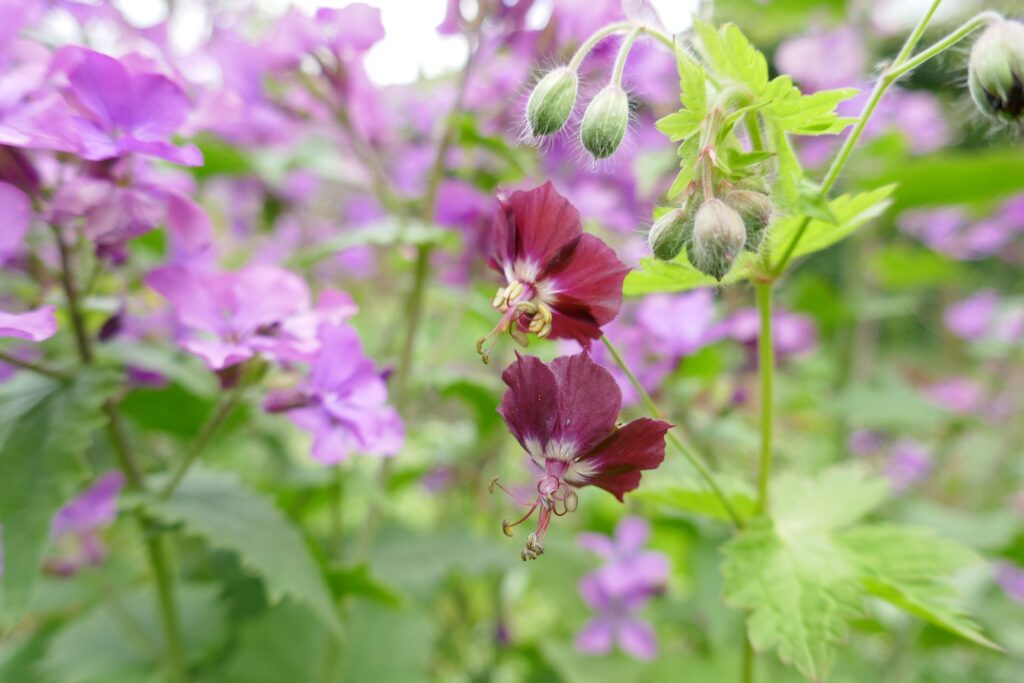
<point x="564" y="416"/>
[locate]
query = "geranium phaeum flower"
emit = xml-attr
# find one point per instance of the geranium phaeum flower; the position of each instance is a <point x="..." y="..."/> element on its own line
<point x="75" y="528"/>
<point x="122" y="112"/>
<point x="231" y="317"/>
<point x="560" y="281"/>
<point x="34" y="325"/>
<point x="564" y="414"/>
<point x="344" y="403"/>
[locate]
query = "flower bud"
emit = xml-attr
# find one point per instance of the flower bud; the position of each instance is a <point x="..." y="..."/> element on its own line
<point x="755" y="208"/>
<point x="996" y="71"/>
<point x="605" y="122"/>
<point x="673" y="230"/>
<point x="551" y="101"/>
<point x="718" y="238"/>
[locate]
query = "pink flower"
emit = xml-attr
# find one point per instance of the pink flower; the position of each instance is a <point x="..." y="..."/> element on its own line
<point x="560" y="281"/>
<point x="564" y="415"/>
<point x="34" y="325"/>
<point x="75" y="529"/>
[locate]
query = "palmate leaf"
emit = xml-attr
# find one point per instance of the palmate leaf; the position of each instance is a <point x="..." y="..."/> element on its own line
<point x="679" y="275"/>
<point x="803" y="574"/>
<point x="45" y="426"/>
<point x="730" y="55"/>
<point x="228" y="514"/>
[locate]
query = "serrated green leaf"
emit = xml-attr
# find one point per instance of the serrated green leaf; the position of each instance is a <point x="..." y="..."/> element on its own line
<point x="284" y="643"/>
<point x="851" y="212"/>
<point x="228" y="514"/>
<point x="357" y="581"/>
<point x="745" y="62"/>
<point x="679" y="275"/>
<point x="811" y="202"/>
<point x="687" y="163"/>
<point x="693" y="86"/>
<point x="45" y="426"/>
<point x="801" y="590"/>
<point x="697" y="498"/>
<point x="801" y="114"/>
<point x="680" y="125"/>
<point x="836" y="497"/>
<point x="710" y="45"/>
<point x="369" y="657"/>
<point x="908" y="567"/>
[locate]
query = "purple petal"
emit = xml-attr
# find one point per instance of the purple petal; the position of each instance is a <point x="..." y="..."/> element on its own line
<point x="596" y="636"/>
<point x="589" y="402"/>
<point x="631" y="534"/>
<point x="93" y="508"/>
<point x="34" y="325"/>
<point x="637" y="639"/>
<point x="15" y="216"/>
<point x="616" y="463"/>
<point x="530" y="404"/>
<point x="599" y="544"/>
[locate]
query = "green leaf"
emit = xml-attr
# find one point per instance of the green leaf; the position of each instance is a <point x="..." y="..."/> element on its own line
<point x="678" y="275"/>
<point x="228" y="514"/>
<point x="955" y="177"/>
<point x="803" y="574"/>
<point x="851" y="212"/>
<point x="369" y="656"/>
<point x="695" y="498"/>
<point x="687" y="163"/>
<point x="801" y="114"/>
<point x="745" y="62"/>
<point x="693" y="86"/>
<point x="811" y="202"/>
<point x="285" y="643"/>
<point x="711" y="46"/>
<point x="357" y="581"/>
<point x="680" y="125"/>
<point x="907" y="567"/>
<point x="900" y="266"/>
<point x="45" y="426"/>
<point x="123" y="640"/>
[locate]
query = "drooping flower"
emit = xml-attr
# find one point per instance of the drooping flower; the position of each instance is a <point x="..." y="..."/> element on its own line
<point x="564" y="415"/>
<point x="631" y="576"/>
<point x="560" y="281"/>
<point x="76" y="527"/>
<point x="231" y="317"/>
<point x="125" y="112"/>
<point x="344" y="402"/>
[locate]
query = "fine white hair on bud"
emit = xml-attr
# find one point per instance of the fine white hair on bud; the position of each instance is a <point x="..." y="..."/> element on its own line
<point x="605" y="122"/>
<point x="996" y="71"/>
<point x="718" y="238"/>
<point x="551" y="101"/>
<point x="755" y="208"/>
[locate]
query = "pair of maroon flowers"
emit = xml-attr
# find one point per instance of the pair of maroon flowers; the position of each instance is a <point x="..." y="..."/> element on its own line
<point x="565" y="284"/>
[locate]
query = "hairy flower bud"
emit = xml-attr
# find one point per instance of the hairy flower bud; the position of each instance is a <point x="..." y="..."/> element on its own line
<point x="674" y="230"/>
<point x="551" y="101"/>
<point x="996" y="71"/>
<point x="718" y="238"/>
<point x="755" y="208"/>
<point x="605" y="122"/>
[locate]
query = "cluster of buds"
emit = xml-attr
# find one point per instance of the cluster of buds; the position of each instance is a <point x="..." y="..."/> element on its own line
<point x="715" y="231"/>
<point x="996" y="71"/>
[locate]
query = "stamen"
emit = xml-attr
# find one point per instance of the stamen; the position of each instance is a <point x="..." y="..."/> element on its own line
<point x="506" y="526"/>
<point x="494" y="484"/>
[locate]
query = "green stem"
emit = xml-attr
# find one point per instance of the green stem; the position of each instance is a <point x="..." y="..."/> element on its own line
<point x="207" y="432"/>
<point x="70" y="286"/>
<point x="175" y="649"/>
<point x="766" y="368"/>
<point x="623" y="55"/>
<point x="899" y="68"/>
<point x="591" y="42"/>
<point x="34" y="367"/>
<point x="749" y="657"/>
<point x="702" y="469"/>
<point x="754" y="129"/>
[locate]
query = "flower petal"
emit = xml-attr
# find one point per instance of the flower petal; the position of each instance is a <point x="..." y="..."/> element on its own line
<point x="530" y="404"/>
<point x="532" y="225"/>
<point x="596" y="636"/>
<point x="636" y="638"/>
<point x="584" y="285"/>
<point x="589" y="401"/>
<point x="615" y="464"/>
<point x="34" y="325"/>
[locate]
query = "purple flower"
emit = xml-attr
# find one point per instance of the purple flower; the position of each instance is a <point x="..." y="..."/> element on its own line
<point x="123" y="112"/>
<point x="353" y="28"/>
<point x="678" y="324"/>
<point x="794" y="334"/>
<point x="910" y="461"/>
<point x="1010" y="578"/>
<point x="630" y="577"/>
<point x="823" y="60"/>
<point x="231" y="317"/>
<point x="75" y="529"/>
<point x="958" y="395"/>
<point x="344" y="402"/>
<point x="972" y="318"/>
<point x="864" y="442"/>
<point x="564" y="416"/>
<point x="560" y="281"/>
<point x="34" y="325"/>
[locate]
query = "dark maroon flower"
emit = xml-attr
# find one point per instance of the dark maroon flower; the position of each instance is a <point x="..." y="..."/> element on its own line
<point x="564" y="414"/>
<point x="560" y="281"/>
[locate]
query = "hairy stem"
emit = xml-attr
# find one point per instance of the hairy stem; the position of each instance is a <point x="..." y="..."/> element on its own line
<point x="766" y="369"/>
<point x="591" y="42"/>
<point x="623" y="55"/>
<point x="902" y="65"/>
<point x="698" y="464"/>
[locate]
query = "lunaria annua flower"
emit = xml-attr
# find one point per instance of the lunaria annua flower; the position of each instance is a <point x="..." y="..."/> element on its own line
<point x="231" y="317"/>
<point x="564" y="415"/>
<point x="630" y="577"/>
<point x="560" y="282"/>
<point x="75" y="530"/>
<point x="344" y="402"/>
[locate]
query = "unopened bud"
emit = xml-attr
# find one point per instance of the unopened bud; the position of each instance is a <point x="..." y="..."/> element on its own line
<point x="755" y="209"/>
<point x="718" y="238"/>
<point x="996" y="71"/>
<point x="674" y="230"/>
<point x="605" y="122"/>
<point x="551" y="101"/>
